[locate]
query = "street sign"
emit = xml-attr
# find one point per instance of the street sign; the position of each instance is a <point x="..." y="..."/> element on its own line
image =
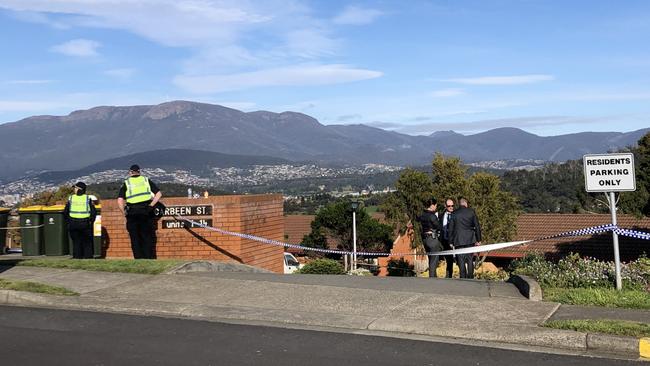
<point x="173" y="224"/>
<point x="609" y="172"/>
<point x="188" y="210"/>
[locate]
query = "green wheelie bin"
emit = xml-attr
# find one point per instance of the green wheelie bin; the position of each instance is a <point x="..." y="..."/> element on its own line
<point x="31" y="232"/>
<point x="55" y="231"/>
<point x="4" y="219"/>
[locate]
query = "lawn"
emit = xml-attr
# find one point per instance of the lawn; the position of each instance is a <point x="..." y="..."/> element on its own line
<point x="617" y="327"/>
<point x="35" y="287"/>
<point x="607" y="297"/>
<point x="143" y="266"/>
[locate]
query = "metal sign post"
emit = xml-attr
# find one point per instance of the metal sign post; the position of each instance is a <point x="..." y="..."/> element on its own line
<point x="354" y="240"/>
<point x="610" y="173"/>
<point x="617" y="258"/>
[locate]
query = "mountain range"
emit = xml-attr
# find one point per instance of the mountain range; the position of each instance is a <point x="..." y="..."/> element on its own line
<point x="86" y="137"/>
<point x="195" y="161"/>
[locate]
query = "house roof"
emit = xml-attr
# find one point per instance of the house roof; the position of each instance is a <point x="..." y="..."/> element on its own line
<point x="534" y="226"/>
<point x="297" y="226"/>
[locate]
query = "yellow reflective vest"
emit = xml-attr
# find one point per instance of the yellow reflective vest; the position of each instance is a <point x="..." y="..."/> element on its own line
<point x="79" y="206"/>
<point x="138" y="189"/>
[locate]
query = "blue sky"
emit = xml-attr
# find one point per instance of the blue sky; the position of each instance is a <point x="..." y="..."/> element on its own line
<point x="549" y="67"/>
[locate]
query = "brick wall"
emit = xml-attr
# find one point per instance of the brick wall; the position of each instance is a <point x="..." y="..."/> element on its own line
<point x="259" y="215"/>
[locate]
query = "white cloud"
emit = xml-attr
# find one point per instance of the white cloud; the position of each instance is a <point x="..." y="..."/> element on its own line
<point x="217" y="34"/>
<point x="482" y="125"/>
<point x="121" y="74"/>
<point x="78" y="47"/>
<point x="503" y="80"/>
<point x="354" y="15"/>
<point x="29" y="82"/>
<point x="622" y="96"/>
<point x="285" y="76"/>
<point x="38" y="18"/>
<point x="446" y="93"/>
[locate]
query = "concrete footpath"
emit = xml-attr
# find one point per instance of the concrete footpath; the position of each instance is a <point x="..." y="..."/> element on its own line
<point x="441" y="309"/>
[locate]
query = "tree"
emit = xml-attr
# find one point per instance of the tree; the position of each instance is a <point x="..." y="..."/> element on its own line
<point x="49" y="197"/>
<point x="404" y="206"/>
<point x="496" y="208"/>
<point x="449" y="178"/>
<point x="335" y="221"/>
<point x="638" y="202"/>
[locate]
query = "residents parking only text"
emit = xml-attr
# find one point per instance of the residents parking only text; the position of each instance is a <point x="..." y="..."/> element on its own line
<point x="609" y="172"/>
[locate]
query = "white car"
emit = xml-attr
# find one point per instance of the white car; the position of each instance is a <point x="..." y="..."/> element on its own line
<point x="291" y="264"/>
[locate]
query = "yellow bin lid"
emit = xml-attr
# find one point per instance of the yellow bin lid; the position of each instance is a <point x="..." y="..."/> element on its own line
<point x="30" y="209"/>
<point x="54" y="208"/>
<point x="3" y="210"/>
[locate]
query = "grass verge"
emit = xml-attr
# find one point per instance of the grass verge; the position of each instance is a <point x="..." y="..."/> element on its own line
<point x="35" y="287"/>
<point x="142" y="266"/>
<point x="616" y="327"/>
<point x="630" y="299"/>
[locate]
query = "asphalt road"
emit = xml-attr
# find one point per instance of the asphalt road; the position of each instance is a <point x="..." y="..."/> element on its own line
<point x="31" y="336"/>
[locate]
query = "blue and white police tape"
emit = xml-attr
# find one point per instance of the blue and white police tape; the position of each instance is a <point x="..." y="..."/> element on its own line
<point x="465" y="250"/>
<point x="633" y="233"/>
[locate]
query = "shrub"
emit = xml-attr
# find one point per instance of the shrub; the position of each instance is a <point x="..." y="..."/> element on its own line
<point x="575" y="272"/>
<point x="401" y="268"/>
<point x="322" y="266"/>
<point x="360" y="272"/>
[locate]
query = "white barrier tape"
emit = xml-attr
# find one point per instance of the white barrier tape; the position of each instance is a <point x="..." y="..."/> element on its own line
<point x="21" y="227"/>
<point x="464" y="250"/>
<point x="480" y="248"/>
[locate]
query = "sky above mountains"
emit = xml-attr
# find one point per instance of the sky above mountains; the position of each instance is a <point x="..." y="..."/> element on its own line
<point x="549" y="67"/>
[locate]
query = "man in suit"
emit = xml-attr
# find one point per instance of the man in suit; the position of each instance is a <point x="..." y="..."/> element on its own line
<point x="430" y="233"/>
<point x="444" y="236"/>
<point x="465" y="231"/>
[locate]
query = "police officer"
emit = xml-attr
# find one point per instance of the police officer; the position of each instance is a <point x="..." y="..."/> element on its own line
<point x="430" y="233"/>
<point x="80" y="215"/>
<point x="136" y="199"/>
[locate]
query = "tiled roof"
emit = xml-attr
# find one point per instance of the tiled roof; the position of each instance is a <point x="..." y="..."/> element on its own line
<point x="297" y="226"/>
<point x="532" y="226"/>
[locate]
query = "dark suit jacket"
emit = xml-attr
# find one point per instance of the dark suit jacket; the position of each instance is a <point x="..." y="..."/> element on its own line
<point x="464" y="228"/>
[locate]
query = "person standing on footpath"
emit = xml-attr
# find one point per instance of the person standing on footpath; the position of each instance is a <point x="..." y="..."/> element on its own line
<point x="465" y="231"/>
<point x="80" y="214"/>
<point x="430" y="233"/>
<point x="444" y="237"/>
<point x="136" y="199"/>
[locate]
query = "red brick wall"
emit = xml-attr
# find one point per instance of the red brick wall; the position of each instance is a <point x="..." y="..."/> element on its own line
<point x="259" y="215"/>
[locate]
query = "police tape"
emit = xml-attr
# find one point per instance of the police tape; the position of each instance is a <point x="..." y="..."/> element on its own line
<point x="21" y="227"/>
<point x="633" y="233"/>
<point x="464" y="250"/>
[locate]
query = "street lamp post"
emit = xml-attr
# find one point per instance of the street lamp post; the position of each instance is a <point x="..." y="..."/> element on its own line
<point x="354" y="205"/>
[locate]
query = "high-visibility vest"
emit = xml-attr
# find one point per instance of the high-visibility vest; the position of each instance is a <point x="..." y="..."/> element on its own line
<point x="138" y="189"/>
<point x="79" y="206"/>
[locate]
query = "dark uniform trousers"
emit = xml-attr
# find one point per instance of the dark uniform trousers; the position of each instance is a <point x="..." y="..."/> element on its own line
<point x="449" y="259"/>
<point x="432" y="244"/>
<point x="141" y="232"/>
<point x="465" y="264"/>
<point x="81" y="233"/>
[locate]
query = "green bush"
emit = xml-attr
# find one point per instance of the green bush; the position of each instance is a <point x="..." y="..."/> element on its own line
<point x="576" y="272"/>
<point x="322" y="266"/>
<point x="400" y="268"/>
